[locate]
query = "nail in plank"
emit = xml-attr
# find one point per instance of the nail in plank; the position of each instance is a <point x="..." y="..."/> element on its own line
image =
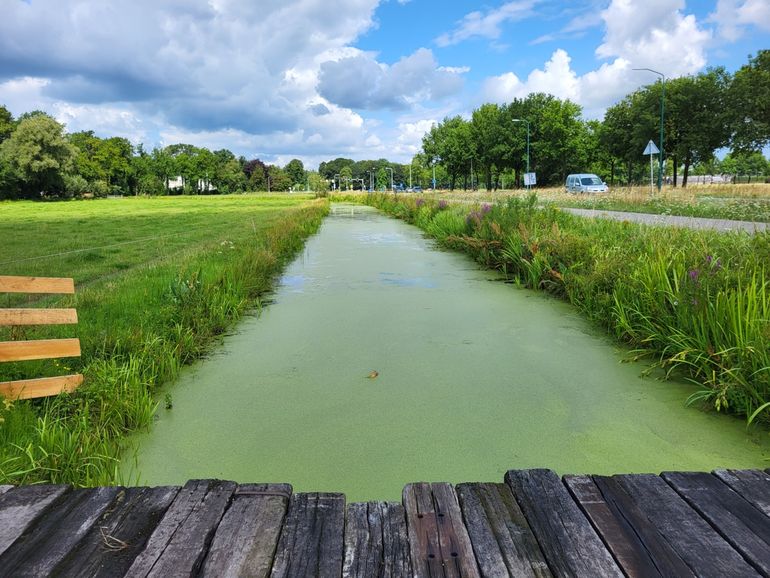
<point x="438" y="540"/>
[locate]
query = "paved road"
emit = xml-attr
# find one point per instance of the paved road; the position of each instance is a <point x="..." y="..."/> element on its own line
<point x="691" y="222"/>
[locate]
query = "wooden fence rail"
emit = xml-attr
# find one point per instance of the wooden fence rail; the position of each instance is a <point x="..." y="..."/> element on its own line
<point x="41" y="348"/>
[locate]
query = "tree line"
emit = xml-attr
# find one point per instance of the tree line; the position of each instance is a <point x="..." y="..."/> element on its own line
<point x="703" y="114"/>
<point x="39" y="159"/>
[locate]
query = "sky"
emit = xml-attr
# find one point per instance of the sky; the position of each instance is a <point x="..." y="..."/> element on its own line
<point x="362" y="79"/>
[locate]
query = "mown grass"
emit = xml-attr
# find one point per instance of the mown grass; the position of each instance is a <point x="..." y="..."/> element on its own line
<point x="145" y="309"/>
<point x="697" y="301"/>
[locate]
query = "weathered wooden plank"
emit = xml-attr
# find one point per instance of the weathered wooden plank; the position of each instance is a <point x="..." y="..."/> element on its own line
<point x="38" y="316"/>
<point x="178" y="544"/>
<point x="438" y="540"/>
<point x="311" y="542"/>
<point x="21" y="506"/>
<point x="12" y="284"/>
<point x="753" y="485"/>
<point x="119" y="535"/>
<point x="746" y="528"/>
<point x="376" y="541"/>
<point x="635" y="543"/>
<point x="40" y="387"/>
<point x="48" y="541"/>
<point x="244" y="543"/>
<point x="502" y="539"/>
<point x="39" y="349"/>
<point x="566" y="537"/>
<point x="694" y="540"/>
<point x="4" y="489"/>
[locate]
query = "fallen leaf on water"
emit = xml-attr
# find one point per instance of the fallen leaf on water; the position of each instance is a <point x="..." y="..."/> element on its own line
<point x="373" y="374"/>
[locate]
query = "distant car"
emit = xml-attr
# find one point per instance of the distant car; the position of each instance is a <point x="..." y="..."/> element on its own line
<point x="585" y="183"/>
<point x="398" y="187"/>
<point x="417" y="189"/>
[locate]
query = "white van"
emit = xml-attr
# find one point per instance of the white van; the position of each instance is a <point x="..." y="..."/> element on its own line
<point x="585" y="183"/>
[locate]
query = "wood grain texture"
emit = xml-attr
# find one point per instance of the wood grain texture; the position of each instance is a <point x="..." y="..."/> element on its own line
<point x="21" y="506"/>
<point x="634" y="542"/>
<point x="13" y="284"/>
<point x="48" y="541"/>
<point x="245" y="541"/>
<point x="179" y="543"/>
<point x="39" y="349"/>
<point x="119" y="535"/>
<point x="567" y="539"/>
<point x="38" y="316"/>
<point x="4" y="489"/>
<point x="376" y="541"/>
<point x="40" y="387"/>
<point x="745" y="527"/>
<point x="312" y="539"/>
<point x="753" y="485"/>
<point x="502" y="539"/>
<point x="694" y="540"/>
<point x="438" y="540"/>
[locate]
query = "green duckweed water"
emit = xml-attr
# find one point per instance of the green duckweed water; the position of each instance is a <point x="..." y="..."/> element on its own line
<point x="475" y="377"/>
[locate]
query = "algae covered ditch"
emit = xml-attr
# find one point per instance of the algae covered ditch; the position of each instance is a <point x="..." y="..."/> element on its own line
<point x="384" y="360"/>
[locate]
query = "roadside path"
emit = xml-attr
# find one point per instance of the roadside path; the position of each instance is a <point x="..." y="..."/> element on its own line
<point x="673" y="220"/>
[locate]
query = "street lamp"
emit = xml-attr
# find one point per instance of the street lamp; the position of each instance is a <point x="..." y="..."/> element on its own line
<point x="391" y="177"/>
<point x="662" y="99"/>
<point x="525" y="120"/>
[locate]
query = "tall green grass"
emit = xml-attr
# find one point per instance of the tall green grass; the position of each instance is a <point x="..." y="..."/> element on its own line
<point x="138" y="325"/>
<point x="697" y="302"/>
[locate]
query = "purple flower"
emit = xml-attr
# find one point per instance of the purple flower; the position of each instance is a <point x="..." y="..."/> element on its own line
<point x="485" y="208"/>
<point x="693" y="273"/>
<point x="442" y="204"/>
<point x="474" y="217"/>
<point x="419" y="203"/>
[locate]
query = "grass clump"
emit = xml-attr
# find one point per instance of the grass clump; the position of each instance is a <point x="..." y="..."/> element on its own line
<point x="145" y="309"/>
<point x="697" y="301"/>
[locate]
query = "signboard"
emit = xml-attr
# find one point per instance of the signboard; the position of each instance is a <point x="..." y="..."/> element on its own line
<point x="529" y="179"/>
<point x="651" y="149"/>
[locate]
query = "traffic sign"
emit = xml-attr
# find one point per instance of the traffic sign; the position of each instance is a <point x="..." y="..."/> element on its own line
<point x="651" y="149"/>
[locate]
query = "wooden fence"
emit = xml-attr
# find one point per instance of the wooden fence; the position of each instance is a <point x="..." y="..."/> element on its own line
<point x="40" y="348"/>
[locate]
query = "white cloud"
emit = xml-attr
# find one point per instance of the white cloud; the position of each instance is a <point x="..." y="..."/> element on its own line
<point x="487" y="24"/>
<point x="659" y="36"/>
<point x="734" y="16"/>
<point x="361" y="82"/>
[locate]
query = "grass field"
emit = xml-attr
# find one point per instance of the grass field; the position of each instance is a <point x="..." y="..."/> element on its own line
<point x="157" y="279"/>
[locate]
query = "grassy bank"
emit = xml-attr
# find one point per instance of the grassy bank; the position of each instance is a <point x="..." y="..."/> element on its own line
<point x="697" y="301"/>
<point x="145" y="309"/>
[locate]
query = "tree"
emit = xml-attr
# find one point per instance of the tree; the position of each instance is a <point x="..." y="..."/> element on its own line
<point x="346" y="174"/>
<point x="7" y="125"/>
<point x="749" y="98"/>
<point x="279" y="179"/>
<point x="296" y="171"/>
<point x="38" y="156"/>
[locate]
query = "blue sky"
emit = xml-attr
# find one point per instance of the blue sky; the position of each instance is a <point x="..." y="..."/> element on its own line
<point x="318" y="79"/>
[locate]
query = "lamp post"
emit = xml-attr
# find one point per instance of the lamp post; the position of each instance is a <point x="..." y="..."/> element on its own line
<point x="525" y="120"/>
<point x="662" y="100"/>
<point x="391" y="177"/>
<point x="434" y="177"/>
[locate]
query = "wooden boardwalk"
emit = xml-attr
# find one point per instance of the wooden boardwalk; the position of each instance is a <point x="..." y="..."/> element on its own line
<point x="534" y="524"/>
